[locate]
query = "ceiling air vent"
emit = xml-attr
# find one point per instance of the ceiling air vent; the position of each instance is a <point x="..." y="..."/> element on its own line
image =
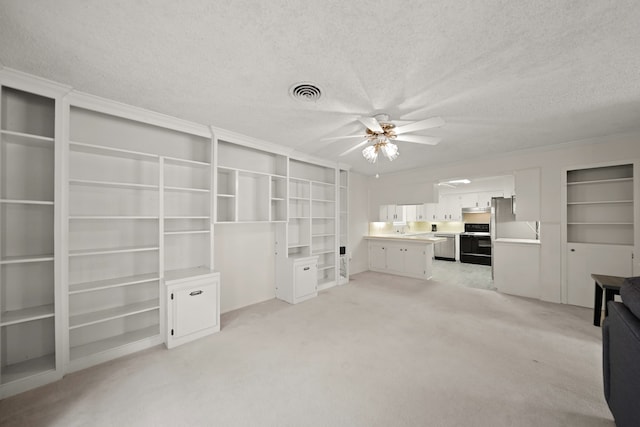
<point x="305" y="92"/>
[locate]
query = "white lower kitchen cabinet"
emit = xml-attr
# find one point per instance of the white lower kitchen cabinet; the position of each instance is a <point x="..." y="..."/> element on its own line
<point x="193" y="308"/>
<point x="516" y="267"/>
<point x="377" y="256"/>
<point x="412" y="258"/>
<point x="300" y="281"/>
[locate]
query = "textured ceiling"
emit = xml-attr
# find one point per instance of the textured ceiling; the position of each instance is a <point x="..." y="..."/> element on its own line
<point x="505" y="75"/>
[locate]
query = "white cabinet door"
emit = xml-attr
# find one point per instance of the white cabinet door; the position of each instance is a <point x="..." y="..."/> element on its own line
<point x="195" y="309"/>
<point x="468" y="200"/>
<point x="450" y="207"/>
<point x="377" y="256"/>
<point x="305" y="280"/>
<point x="484" y="198"/>
<point x="399" y="213"/>
<point x="411" y="213"/>
<point x="384" y="213"/>
<point x="415" y="260"/>
<point x="395" y="258"/>
<point x="421" y="212"/>
<point x="441" y="211"/>
<point x="430" y="211"/>
<point x="584" y="259"/>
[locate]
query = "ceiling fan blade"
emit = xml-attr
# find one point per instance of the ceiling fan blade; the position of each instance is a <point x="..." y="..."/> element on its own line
<point x="433" y="122"/>
<point x="333" y="138"/>
<point x="371" y="123"/>
<point x="355" y="147"/>
<point x="419" y="139"/>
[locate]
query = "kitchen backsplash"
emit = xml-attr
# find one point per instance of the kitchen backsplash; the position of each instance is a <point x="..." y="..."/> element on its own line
<point x="378" y="228"/>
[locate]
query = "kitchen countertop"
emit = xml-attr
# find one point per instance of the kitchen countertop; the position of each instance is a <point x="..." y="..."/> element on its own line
<point x="418" y="238"/>
<point x="517" y="241"/>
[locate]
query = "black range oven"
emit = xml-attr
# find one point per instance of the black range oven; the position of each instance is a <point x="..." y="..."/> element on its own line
<point x="475" y="244"/>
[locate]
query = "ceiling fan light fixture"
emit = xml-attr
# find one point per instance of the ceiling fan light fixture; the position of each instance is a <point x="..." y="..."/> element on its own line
<point x="370" y="153"/>
<point x="390" y="151"/>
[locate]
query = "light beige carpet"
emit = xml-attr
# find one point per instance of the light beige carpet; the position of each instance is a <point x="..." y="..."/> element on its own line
<point x="381" y="351"/>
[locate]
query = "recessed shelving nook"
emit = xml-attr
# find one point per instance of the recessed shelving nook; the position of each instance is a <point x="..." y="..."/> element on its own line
<point x="251" y="184"/>
<point x="139" y="216"/>
<point x="30" y="346"/>
<point x="600" y="205"/>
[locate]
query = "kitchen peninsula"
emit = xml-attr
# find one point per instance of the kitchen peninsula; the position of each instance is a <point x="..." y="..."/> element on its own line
<point x="402" y="254"/>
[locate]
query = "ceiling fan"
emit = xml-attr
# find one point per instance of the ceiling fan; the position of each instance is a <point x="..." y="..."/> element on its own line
<point x="381" y="131"/>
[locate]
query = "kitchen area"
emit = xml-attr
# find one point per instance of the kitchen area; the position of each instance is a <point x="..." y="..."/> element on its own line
<point x="472" y="218"/>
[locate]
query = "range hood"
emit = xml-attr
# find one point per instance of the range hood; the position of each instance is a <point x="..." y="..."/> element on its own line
<point x="477" y="210"/>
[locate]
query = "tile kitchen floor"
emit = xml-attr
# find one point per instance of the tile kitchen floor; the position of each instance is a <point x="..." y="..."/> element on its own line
<point x="463" y="274"/>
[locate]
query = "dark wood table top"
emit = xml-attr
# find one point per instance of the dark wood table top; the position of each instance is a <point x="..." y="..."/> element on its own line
<point x="608" y="282"/>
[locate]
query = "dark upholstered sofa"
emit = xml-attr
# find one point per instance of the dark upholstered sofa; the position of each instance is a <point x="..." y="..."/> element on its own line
<point x="621" y="355"/>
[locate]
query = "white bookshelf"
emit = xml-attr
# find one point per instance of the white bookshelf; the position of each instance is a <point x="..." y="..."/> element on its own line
<point x="312" y="226"/>
<point x="29" y="342"/>
<point x="139" y="213"/>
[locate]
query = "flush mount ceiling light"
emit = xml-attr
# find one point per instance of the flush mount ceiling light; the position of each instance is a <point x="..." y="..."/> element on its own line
<point x="454" y="182"/>
<point x="381" y="131"/>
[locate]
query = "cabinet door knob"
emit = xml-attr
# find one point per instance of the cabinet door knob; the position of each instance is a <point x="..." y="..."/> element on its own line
<point x="195" y="293"/>
<point x="306" y="268"/>
<point x="573" y="250"/>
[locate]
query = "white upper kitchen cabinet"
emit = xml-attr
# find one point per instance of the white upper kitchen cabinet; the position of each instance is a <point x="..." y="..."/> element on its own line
<point x="411" y="213"/>
<point x="484" y="198"/>
<point x="392" y="213"/>
<point x="430" y="211"/>
<point x="449" y="208"/>
<point x="527" y="183"/>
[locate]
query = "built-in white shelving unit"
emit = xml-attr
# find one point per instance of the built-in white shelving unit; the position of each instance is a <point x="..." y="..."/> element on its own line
<point x="107" y="211"/>
<point x="599" y="227"/>
<point x="251" y="184"/>
<point x="139" y="214"/>
<point x="30" y="346"/>
<point x="312" y="227"/>
<point x="600" y="205"/>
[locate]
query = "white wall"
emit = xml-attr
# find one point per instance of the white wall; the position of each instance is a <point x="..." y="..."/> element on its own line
<point x="358" y="223"/>
<point x="552" y="162"/>
<point x="245" y="258"/>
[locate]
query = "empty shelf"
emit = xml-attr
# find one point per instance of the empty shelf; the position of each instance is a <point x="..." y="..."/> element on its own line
<point x="94" y="317"/>
<point x="114" y="342"/>
<point x="26" y="315"/>
<point x="28" y="368"/>
<point x="112" y="283"/>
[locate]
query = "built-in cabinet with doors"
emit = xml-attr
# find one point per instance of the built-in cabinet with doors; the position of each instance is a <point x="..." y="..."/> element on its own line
<point x="31" y="350"/>
<point x="392" y="213"/>
<point x="600" y="225"/>
<point x="449" y="207"/>
<point x="411" y="259"/>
